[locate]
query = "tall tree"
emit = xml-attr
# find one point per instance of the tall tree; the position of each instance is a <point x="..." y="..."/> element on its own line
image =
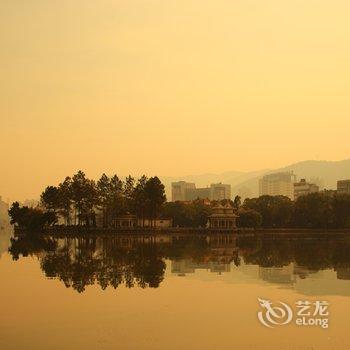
<point x="140" y="198"/>
<point x="155" y="195"/>
<point x="50" y="199"/>
<point x="116" y="203"/>
<point x="84" y="196"/>
<point x="237" y="202"/>
<point x="65" y="198"/>
<point x="128" y="191"/>
<point x="103" y="191"/>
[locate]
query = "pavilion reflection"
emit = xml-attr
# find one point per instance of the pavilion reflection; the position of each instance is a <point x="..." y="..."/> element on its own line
<point x="141" y="260"/>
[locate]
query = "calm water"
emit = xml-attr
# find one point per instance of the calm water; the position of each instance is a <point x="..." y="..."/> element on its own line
<point x="162" y="292"/>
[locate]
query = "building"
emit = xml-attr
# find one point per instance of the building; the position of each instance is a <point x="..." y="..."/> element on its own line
<point x="195" y="193"/>
<point x="281" y="275"/>
<point x="220" y="191"/>
<point x="179" y="190"/>
<point x="343" y="186"/>
<point x="125" y="221"/>
<point x="303" y="188"/>
<point x="186" y="191"/>
<point x="278" y="184"/>
<point x="159" y="223"/>
<point x="222" y="218"/>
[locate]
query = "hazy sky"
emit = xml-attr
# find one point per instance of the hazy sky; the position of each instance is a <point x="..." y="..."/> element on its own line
<point x="169" y="87"/>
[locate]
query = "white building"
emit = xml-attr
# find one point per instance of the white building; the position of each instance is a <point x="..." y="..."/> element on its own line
<point x="278" y="184"/>
<point x="343" y="186"/>
<point x="179" y="190"/>
<point x="303" y="188"/>
<point x="220" y="191"/>
<point x="187" y="191"/>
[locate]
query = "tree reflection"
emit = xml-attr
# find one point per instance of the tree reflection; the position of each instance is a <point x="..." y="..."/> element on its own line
<point x="312" y="254"/>
<point x="88" y="261"/>
<point x="139" y="260"/>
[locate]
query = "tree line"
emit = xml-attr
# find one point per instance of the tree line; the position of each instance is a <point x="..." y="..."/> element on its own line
<point x="312" y="211"/>
<point x="78" y="199"/>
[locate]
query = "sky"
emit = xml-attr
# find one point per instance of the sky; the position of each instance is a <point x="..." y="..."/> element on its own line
<point x="171" y="87"/>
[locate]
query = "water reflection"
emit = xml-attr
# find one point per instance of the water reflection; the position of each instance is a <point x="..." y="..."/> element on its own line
<point x="6" y="232"/>
<point x="145" y="260"/>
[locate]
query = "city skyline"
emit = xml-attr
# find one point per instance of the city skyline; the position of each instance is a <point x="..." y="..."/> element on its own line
<point x="28" y="194"/>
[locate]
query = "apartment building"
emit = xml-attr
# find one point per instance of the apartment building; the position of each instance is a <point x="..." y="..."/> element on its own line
<point x="303" y="188"/>
<point x="278" y="184"/>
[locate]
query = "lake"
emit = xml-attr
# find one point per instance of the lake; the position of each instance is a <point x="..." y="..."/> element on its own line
<point x="173" y="292"/>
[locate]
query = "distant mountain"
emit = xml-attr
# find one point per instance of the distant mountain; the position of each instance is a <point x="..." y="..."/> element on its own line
<point x="329" y="172"/>
<point x="246" y="184"/>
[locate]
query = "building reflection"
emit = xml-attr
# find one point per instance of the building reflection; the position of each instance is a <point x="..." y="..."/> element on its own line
<point x="141" y="260"/>
<point x="343" y="273"/>
<point x="281" y="275"/>
<point x="220" y="251"/>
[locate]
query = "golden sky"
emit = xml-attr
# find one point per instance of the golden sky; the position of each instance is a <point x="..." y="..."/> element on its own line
<point x="169" y="87"/>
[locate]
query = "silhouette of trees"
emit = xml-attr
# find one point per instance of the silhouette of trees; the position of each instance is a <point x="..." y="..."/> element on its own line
<point x="154" y="197"/>
<point x="78" y="200"/>
<point x="84" y="198"/>
<point x="312" y="211"/>
<point x="65" y="199"/>
<point x="141" y="199"/>
<point x="194" y="214"/>
<point x="81" y="198"/>
<point x="276" y="211"/>
<point x="237" y="202"/>
<point x="31" y="219"/>
<point x="341" y="207"/>
<point x="249" y="218"/>
<point x="50" y="198"/>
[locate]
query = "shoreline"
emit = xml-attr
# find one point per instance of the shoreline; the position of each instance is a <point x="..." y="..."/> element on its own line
<point x="182" y="231"/>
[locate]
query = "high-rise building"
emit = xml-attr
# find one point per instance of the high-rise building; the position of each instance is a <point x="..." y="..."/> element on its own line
<point x="303" y="188"/>
<point x="194" y="193"/>
<point x="278" y="184"/>
<point x="179" y="190"/>
<point x="343" y="186"/>
<point x="187" y="191"/>
<point x="220" y="191"/>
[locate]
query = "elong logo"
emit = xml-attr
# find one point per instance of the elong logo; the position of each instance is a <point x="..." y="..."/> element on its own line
<point x="308" y="313"/>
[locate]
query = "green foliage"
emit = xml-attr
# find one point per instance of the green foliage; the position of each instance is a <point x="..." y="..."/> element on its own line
<point x="109" y="191"/>
<point x="31" y="219"/>
<point x="276" y="211"/>
<point x="110" y="196"/>
<point x="85" y="198"/>
<point x="155" y="197"/>
<point x="314" y="211"/>
<point x="249" y="218"/>
<point x="145" y="198"/>
<point x="65" y="199"/>
<point x="237" y="202"/>
<point x="194" y="214"/>
<point x="50" y="198"/>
